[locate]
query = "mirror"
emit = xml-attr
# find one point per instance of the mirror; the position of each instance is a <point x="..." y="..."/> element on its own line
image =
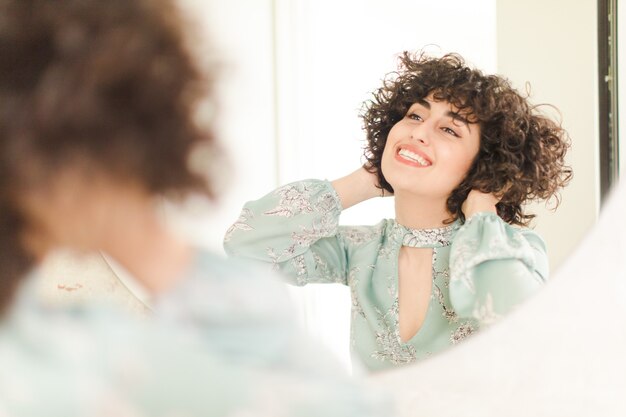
<point x="292" y="98"/>
<point x="296" y="72"/>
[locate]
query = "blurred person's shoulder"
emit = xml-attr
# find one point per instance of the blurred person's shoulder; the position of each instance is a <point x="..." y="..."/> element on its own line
<point x="231" y="285"/>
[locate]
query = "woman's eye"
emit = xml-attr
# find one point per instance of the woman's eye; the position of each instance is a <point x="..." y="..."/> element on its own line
<point x="450" y="131"/>
<point x="414" y="116"/>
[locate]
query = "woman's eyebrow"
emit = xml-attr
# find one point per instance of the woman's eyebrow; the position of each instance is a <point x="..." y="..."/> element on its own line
<point x="449" y="113"/>
<point x="423" y="102"/>
<point x="457" y="116"/>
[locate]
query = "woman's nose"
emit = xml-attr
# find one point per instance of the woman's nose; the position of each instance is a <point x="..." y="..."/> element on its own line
<point x="421" y="133"/>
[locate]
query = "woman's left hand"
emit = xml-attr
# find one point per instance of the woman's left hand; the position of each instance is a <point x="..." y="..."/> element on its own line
<point x="477" y="202"/>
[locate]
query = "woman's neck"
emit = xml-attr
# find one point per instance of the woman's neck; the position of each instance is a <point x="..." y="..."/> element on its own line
<point x="419" y="212"/>
<point x="146" y="247"/>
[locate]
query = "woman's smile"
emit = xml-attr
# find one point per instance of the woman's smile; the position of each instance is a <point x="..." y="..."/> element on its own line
<point x="412" y="156"/>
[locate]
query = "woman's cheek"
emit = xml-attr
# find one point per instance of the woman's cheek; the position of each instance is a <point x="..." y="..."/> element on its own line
<point x="384" y="164"/>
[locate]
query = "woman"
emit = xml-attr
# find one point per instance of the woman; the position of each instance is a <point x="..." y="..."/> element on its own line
<point x="97" y="123"/>
<point x="461" y="152"/>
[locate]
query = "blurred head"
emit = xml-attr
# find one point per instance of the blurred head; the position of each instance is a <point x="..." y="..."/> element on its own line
<point x="98" y="101"/>
<point x="440" y="128"/>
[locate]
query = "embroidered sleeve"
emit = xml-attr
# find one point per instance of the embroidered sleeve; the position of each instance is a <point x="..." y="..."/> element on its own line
<point x="494" y="267"/>
<point x="294" y="228"/>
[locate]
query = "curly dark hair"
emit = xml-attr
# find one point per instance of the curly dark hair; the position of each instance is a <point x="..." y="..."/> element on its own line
<point x="521" y="151"/>
<point x="111" y="84"/>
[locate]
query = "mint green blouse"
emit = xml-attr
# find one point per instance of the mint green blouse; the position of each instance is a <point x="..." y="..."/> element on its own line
<point x="480" y="269"/>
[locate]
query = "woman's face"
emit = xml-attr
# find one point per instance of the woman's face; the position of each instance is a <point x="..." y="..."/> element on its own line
<point x="429" y="152"/>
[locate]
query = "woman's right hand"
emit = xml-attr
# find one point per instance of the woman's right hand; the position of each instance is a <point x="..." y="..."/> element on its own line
<point x="358" y="186"/>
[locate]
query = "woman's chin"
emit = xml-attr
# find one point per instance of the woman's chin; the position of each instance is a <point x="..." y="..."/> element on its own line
<point x="419" y="191"/>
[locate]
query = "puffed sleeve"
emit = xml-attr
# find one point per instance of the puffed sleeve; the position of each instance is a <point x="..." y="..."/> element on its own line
<point x="494" y="267"/>
<point x="294" y="228"/>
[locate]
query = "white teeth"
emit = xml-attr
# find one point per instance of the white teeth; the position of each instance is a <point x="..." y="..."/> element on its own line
<point x="413" y="157"/>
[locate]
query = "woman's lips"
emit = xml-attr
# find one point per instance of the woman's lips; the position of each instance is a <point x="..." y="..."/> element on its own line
<point x="410" y="155"/>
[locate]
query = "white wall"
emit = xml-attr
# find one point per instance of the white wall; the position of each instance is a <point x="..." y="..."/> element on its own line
<point x="240" y="34"/>
<point x="553" y="45"/>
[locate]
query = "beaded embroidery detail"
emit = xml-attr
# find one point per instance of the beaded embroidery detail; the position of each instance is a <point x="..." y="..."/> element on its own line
<point x="428" y="238"/>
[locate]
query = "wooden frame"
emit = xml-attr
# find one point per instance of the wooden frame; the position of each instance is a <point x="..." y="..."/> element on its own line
<point x="607" y="90"/>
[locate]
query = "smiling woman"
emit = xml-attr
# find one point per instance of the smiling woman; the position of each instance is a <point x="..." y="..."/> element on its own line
<point x="461" y="152"/>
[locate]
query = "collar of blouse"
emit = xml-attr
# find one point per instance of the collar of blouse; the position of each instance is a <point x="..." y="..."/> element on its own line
<point x="426" y="238"/>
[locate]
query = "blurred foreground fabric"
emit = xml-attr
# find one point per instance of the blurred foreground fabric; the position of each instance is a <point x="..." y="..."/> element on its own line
<point x="220" y="343"/>
<point x="68" y="279"/>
